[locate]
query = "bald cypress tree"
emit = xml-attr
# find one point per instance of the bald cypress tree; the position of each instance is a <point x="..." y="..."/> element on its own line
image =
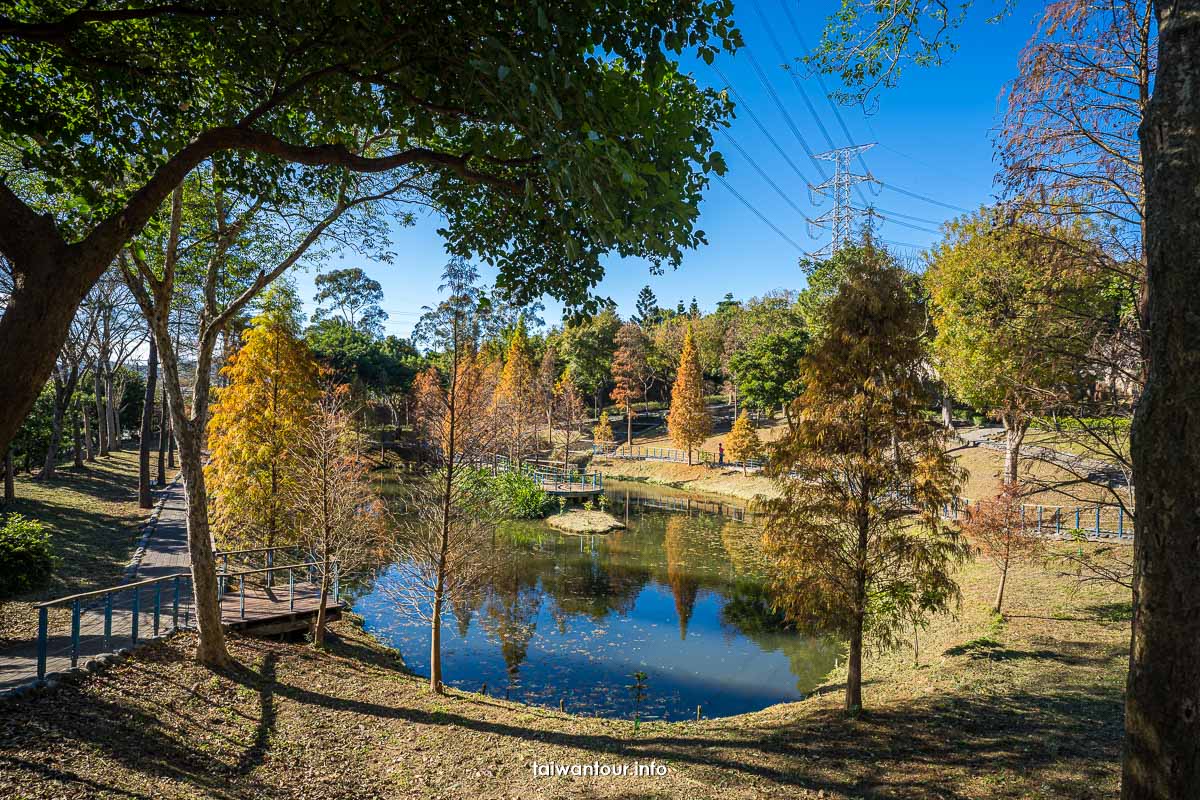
<point x="856" y="542"/>
<point x="688" y="422"/>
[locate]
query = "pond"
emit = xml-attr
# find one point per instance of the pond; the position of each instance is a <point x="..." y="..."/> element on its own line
<point x="677" y="595"/>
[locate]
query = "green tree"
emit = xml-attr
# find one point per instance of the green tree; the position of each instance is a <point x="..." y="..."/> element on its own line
<point x="539" y="163"/>
<point x="1000" y="294"/>
<point x="587" y="350"/>
<point x="255" y="424"/>
<point x="767" y="369"/>
<point x="351" y="297"/>
<point x="856" y="540"/>
<point x="688" y="421"/>
<point x="647" y="311"/>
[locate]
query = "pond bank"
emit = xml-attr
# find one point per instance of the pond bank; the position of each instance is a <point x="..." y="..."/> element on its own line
<point x="728" y="481"/>
<point x="1024" y="707"/>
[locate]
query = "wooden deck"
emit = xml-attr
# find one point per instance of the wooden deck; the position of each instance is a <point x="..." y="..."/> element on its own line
<point x="274" y="610"/>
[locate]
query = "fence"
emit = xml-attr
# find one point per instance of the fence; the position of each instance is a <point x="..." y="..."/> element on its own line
<point x="105" y="620"/>
<point x="1060" y="520"/>
<point x="566" y="480"/>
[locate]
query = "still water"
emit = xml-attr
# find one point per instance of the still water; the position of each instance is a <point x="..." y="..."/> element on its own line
<point x="677" y="595"/>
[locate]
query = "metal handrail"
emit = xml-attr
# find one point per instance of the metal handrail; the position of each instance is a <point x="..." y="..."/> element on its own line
<point x="110" y="590"/>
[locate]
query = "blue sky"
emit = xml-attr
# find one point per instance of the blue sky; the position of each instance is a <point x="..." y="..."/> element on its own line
<point x="933" y="134"/>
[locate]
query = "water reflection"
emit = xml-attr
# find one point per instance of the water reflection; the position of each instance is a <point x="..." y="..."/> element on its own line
<point x="676" y="595"/>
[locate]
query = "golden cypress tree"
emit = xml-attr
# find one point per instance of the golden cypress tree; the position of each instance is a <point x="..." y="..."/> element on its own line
<point x="270" y="396"/>
<point x="743" y="443"/>
<point x="602" y="433"/>
<point x="856" y="541"/>
<point x="688" y="422"/>
<point x="514" y="399"/>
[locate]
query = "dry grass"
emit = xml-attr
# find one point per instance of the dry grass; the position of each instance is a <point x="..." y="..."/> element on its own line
<point x="1028" y="706"/>
<point x="578" y="520"/>
<point x="694" y="478"/>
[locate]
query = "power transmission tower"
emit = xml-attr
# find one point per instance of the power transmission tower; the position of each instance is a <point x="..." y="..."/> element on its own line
<point x="840" y="220"/>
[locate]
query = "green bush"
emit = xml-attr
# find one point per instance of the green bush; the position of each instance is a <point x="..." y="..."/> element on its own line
<point x="520" y="496"/>
<point x="26" y="560"/>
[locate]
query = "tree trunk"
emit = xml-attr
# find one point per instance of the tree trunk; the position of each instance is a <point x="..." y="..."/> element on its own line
<point x="854" y="669"/>
<point x="1000" y="591"/>
<point x="947" y="412"/>
<point x="210" y="650"/>
<point x="145" y="497"/>
<point x="629" y="428"/>
<point x="101" y="412"/>
<point x="77" y="434"/>
<point x="435" y="645"/>
<point x="114" y="415"/>
<point x="1162" y="698"/>
<point x="171" y="445"/>
<point x="163" y="423"/>
<point x="319" y="628"/>
<point x="10" y="489"/>
<point x="87" y="433"/>
<point x="50" y="465"/>
<point x="1014" y="434"/>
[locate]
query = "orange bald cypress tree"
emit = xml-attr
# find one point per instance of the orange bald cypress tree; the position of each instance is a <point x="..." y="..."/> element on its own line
<point x="688" y="422"/>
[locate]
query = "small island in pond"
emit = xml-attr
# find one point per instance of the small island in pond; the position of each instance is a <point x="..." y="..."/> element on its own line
<point x="580" y="520"/>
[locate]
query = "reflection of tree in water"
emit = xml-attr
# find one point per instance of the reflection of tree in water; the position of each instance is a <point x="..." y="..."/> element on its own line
<point x="742" y="548"/>
<point x="464" y="608"/>
<point x="511" y="604"/>
<point x="750" y="610"/>
<point x="685" y="585"/>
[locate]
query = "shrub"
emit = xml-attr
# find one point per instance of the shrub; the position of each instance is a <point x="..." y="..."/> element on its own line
<point x="518" y="496"/>
<point x="26" y="560"/>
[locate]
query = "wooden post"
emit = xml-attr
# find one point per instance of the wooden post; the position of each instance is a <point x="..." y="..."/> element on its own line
<point x="43" y="635"/>
<point x="74" y="633"/>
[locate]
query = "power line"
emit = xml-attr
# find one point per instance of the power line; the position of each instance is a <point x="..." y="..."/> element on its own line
<point x="759" y="214"/>
<point x="837" y="113"/>
<point x="787" y="199"/>
<point x="762" y="77"/>
<point x="795" y="81"/>
<point x="742" y="104"/>
<point x="875" y="212"/>
<point x="950" y="206"/>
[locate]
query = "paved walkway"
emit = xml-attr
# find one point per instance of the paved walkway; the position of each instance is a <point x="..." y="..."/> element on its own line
<point x="165" y="553"/>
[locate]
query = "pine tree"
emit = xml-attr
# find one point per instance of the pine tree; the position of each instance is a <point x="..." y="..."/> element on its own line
<point x="856" y="540"/>
<point x="688" y="422"/>
<point x="630" y="372"/>
<point x="743" y="443"/>
<point x="268" y="400"/>
<point x="648" y="312"/>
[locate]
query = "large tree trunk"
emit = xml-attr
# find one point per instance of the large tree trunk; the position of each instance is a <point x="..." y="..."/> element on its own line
<point x="10" y="489"/>
<point x="211" y="648"/>
<point x="145" y="497"/>
<point x="50" y="280"/>
<point x="101" y="412"/>
<point x="1162" y="698"/>
<point x="947" y="411"/>
<point x="854" y="669"/>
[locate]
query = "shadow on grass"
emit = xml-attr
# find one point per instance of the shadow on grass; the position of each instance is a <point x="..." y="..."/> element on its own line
<point x="1068" y="733"/>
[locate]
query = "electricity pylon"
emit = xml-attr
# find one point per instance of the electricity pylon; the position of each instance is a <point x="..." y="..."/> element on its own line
<point x="840" y="220"/>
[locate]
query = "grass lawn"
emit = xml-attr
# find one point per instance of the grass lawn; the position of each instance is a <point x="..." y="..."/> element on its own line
<point x="93" y="517"/>
<point x="1025" y="706"/>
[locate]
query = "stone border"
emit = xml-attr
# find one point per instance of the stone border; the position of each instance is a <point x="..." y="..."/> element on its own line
<point x="148" y="528"/>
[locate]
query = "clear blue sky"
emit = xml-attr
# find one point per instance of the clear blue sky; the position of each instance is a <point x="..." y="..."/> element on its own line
<point x="934" y="136"/>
